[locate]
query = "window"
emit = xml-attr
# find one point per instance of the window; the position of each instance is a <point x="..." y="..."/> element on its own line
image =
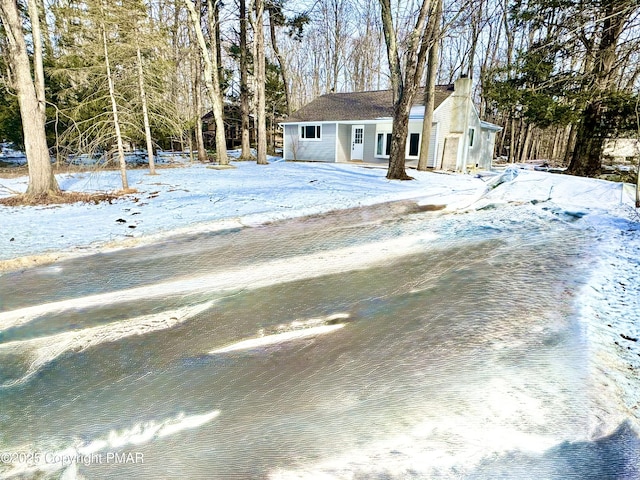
<point x="383" y="144"/>
<point x="310" y="132"/>
<point x="414" y="144"/>
<point x="472" y="134"/>
<point x="359" y="131"/>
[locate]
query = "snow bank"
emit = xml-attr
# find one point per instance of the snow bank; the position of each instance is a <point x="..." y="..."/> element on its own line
<point x="564" y="190"/>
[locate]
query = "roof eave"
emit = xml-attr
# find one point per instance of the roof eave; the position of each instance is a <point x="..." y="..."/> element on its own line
<point x="490" y="126"/>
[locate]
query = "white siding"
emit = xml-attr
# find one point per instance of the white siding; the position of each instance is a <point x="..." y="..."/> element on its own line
<point x="441" y="116"/>
<point x="488" y="145"/>
<point x="474" y="157"/>
<point x="369" y="142"/>
<point x="344" y="140"/>
<point x="433" y="150"/>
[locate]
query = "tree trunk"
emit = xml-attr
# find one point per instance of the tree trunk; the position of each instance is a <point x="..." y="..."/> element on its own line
<point x="190" y="148"/>
<point x="399" y="133"/>
<point x="245" y="153"/>
<point x="429" y="102"/>
<point x="216" y="80"/>
<point x="38" y="62"/>
<point x="30" y="99"/>
<point x="260" y="87"/>
<point x="429" y="98"/>
<point x="145" y="111"/>
<point x="211" y="82"/>
<point x="586" y="159"/>
<point x="395" y="68"/>
<point x="197" y="81"/>
<point x="571" y="143"/>
<point x="592" y="132"/>
<point x="404" y="89"/>
<point x="217" y="41"/>
<point x="114" y="108"/>
<point x="512" y="139"/>
<point x="524" y="151"/>
<point x="638" y="186"/>
<point x="47" y="38"/>
<point x="197" y="94"/>
<point x="556" y="144"/>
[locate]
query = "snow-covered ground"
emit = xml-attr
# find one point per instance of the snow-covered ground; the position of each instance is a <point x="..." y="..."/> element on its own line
<point x="195" y="197"/>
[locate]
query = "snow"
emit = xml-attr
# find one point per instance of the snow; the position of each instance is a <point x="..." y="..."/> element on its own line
<point x="194" y="197"/>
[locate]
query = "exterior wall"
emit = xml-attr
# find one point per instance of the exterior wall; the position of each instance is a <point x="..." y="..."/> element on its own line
<point x="433" y="145"/>
<point x="488" y="147"/>
<point x="385" y="127"/>
<point x="369" y="142"/>
<point x="475" y="152"/>
<point x="323" y="150"/>
<point x="441" y="116"/>
<point x="480" y="154"/>
<point x="344" y="140"/>
<point x="414" y="127"/>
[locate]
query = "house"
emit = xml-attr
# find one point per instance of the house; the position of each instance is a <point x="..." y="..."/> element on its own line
<point x="356" y="127"/>
<point x="232" y="127"/>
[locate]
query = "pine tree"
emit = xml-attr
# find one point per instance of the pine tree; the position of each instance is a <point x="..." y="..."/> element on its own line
<point x="568" y="71"/>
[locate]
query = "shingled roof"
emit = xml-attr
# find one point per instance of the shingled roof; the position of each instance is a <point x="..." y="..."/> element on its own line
<point x="357" y="106"/>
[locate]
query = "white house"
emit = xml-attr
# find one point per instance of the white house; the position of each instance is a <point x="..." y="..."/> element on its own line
<point x="356" y="127"/>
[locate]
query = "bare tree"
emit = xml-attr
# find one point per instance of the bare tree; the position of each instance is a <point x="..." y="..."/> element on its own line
<point x="211" y="80"/>
<point x="245" y="153"/>
<point x="260" y="83"/>
<point x="30" y="91"/>
<point x="196" y="73"/>
<point x="405" y="82"/>
<point x="112" y="97"/>
<point x="429" y="94"/>
<point x="145" y="110"/>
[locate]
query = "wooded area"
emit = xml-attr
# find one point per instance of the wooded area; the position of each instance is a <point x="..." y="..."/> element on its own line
<point x="560" y="76"/>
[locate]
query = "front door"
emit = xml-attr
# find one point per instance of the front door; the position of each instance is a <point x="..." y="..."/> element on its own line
<point x="357" y="145"/>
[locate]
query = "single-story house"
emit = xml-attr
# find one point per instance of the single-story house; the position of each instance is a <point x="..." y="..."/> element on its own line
<point x="356" y="127"/>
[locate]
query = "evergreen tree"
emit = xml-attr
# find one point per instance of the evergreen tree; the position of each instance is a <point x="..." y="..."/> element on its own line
<point x="569" y="72"/>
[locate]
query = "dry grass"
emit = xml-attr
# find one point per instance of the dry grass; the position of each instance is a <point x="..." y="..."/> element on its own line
<point x="64" y="198"/>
